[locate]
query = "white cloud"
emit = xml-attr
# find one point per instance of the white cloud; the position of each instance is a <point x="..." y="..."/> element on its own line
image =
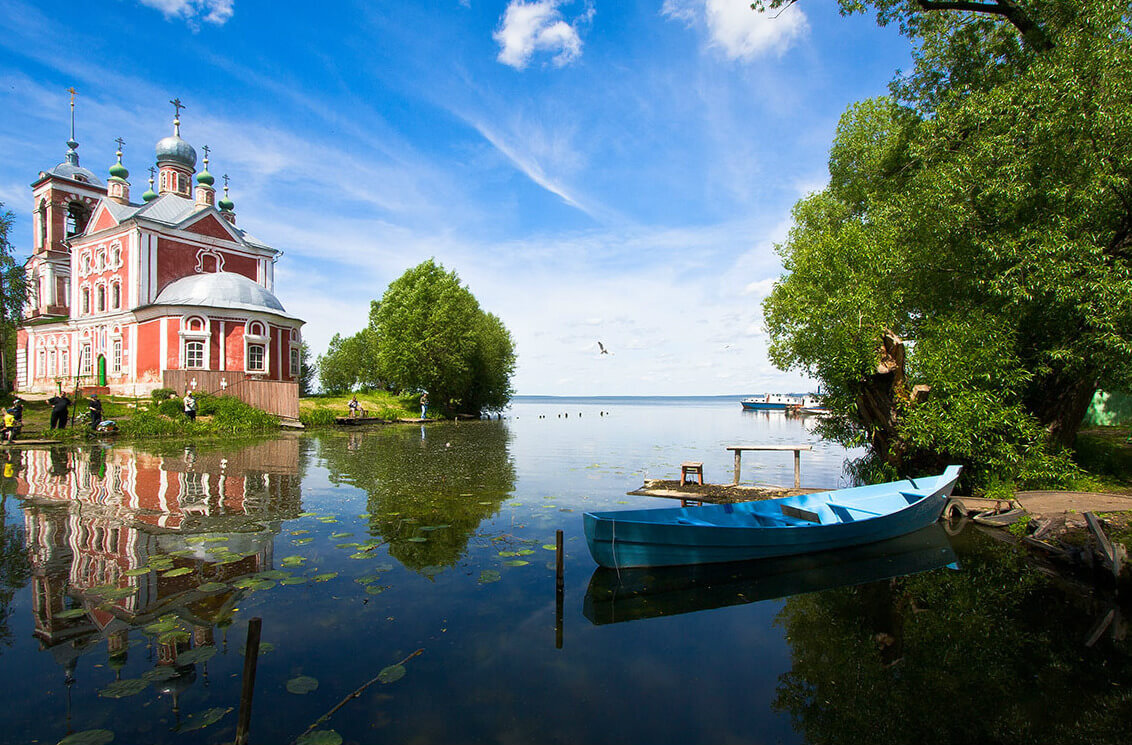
<point x="210" y="11"/>
<point x="741" y="33"/>
<point x="529" y="27"/>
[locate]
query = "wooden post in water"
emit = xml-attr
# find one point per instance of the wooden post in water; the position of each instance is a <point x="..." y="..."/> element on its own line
<point x="797" y="469"/>
<point x="251" y="658"/>
<point x="559" y="589"/>
<point x="738" y="460"/>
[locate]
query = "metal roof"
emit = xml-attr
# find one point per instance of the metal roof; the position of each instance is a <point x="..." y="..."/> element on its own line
<point x="222" y="290"/>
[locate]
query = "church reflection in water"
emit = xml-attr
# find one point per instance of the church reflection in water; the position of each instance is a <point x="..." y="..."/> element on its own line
<point x="120" y="539"/>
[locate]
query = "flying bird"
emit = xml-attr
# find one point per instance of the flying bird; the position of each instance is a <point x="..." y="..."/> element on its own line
<point x="602" y="348"/>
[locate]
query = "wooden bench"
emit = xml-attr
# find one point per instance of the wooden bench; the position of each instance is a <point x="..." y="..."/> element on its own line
<point x="797" y="458"/>
<point x="691" y="468"/>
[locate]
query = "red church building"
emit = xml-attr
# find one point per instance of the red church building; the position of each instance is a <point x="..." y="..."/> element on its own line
<point x="131" y="296"/>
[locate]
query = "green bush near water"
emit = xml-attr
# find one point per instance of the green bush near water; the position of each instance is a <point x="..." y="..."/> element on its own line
<point x="216" y="415"/>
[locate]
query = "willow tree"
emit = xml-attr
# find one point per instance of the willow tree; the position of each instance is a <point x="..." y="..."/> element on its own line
<point x="983" y="210"/>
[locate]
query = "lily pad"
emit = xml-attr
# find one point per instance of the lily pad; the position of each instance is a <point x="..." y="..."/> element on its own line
<point x="170" y="637"/>
<point x="487" y="576"/>
<point x="293" y="561"/>
<point x="137" y="572"/>
<point x="320" y="737"/>
<point x="348" y="545"/>
<point x="307" y="514"/>
<point x="158" y="674"/>
<point x="89" y="737"/>
<point x="435" y="527"/>
<point x="391" y="674"/>
<point x="299" y="532"/>
<point x="182" y="552"/>
<point x="178" y="572"/>
<point x="274" y="574"/>
<point x="264" y="648"/>
<point x="72" y="613"/>
<point x="301" y="541"/>
<point x="507" y="553"/>
<point x="375" y="589"/>
<point x="200" y="654"/>
<point x="524" y="552"/>
<point x="516" y="563"/>
<point x="203" y="719"/>
<point x="336" y="536"/>
<point x="293" y="581"/>
<point x="123" y="688"/>
<point x="418" y="539"/>
<point x="324" y="577"/>
<point x="212" y="586"/>
<point x="550" y="546"/>
<point x="302" y="685"/>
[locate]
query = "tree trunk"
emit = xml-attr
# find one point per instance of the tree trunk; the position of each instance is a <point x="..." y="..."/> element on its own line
<point x="1060" y="405"/>
<point x="878" y="397"/>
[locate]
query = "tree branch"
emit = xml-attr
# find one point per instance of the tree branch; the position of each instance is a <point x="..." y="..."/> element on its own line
<point x="1009" y="10"/>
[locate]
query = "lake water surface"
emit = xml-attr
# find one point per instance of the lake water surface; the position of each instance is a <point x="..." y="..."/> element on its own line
<point x="128" y="576"/>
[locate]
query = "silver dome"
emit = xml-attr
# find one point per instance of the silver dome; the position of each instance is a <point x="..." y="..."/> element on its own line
<point x="221" y="290"/>
<point x="75" y="173"/>
<point x="174" y="149"/>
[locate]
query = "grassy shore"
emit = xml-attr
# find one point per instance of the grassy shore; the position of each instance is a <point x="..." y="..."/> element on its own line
<point x="321" y="410"/>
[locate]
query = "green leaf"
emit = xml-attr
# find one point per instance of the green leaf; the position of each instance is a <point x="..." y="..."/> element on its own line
<point x="200" y="654"/>
<point x="137" y="572"/>
<point x="72" y="613"/>
<point x="124" y="688"/>
<point x="179" y="572"/>
<point x="202" y="719"/>
<point x="302" y="685"/>
<point x="516" y="563"/>
<point x="320" y="737"/>
<point x="212" y="586"/>
<point x="487" y="576"/>
<point x="391" y="674"/>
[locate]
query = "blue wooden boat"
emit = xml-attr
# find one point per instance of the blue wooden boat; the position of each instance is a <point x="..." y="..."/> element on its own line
<point x="787" y="526"/>
<point x="772" y="402"/>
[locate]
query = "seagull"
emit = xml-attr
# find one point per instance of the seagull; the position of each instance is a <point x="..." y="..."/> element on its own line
<point x="602" y="348"/>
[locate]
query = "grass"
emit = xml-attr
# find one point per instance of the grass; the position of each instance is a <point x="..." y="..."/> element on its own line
<point x="320" y="410"/>
<point x="1106" y="453"/>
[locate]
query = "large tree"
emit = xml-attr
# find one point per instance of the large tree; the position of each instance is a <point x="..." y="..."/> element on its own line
<point x="431" y="335"/>
<point x="13" y="295"/>
<point x="984" y="211"/>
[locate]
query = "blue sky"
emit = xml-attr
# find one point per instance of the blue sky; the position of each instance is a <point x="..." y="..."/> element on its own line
<point x="613" y="170"/>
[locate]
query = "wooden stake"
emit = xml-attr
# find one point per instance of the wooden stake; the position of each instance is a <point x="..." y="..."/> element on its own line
<point x="559" y="589"/>
<point x="251" y="658"/>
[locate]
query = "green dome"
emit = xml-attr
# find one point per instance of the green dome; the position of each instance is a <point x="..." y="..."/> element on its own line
<point x="119" y="171"/>
<point x="149" y="195"/>
<point x="204" y="177"/>
<point x="226" y="204"/>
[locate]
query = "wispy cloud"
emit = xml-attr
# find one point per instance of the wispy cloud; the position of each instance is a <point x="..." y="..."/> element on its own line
<point x="738" y="31"/>
<point x="530" y="27"/>
<point x="216" y="12"/>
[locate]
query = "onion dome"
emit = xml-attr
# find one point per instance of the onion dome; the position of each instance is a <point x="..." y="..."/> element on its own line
<point x="173" y="149"/>
<point x="226" y="204"/>
<point x="205" y="178"/>
<point x="150" y="194"/>
<point x="118" y="170"/>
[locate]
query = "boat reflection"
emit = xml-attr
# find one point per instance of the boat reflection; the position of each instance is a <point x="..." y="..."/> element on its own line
<point x="120" y="540"/>
<point x="631" y="594"/>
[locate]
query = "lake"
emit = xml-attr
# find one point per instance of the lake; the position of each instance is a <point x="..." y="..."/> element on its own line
<point x="416" y="565"/>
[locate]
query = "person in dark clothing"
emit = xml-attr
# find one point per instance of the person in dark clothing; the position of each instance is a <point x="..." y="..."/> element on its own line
<point x="18" y="410"/>
<point x="59" y="410"/>
<point x="94" y="407"/>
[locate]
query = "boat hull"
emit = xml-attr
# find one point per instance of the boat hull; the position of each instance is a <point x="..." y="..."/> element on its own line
<point x="758" y="530"/>
<point x="760" y="406"/>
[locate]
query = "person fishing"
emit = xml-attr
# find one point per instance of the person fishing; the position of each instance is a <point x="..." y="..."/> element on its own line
<point x="60" y="406"/>
<point x="94" y="410"/>
<point x="190" y="405"/>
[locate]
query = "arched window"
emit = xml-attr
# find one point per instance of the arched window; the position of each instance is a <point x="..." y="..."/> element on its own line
<point x="116" y="295"/>
<point x="116" y="257"/>
<point x="77" y="216"/>
<point x="255" y="328"/>
<point x="43" y="224"/>
<point x="100" y="298"/>
<point x="84" y="300"/>
<point x="84" y="263"/>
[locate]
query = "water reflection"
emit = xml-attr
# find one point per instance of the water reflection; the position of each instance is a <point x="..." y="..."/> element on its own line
<point x="124" y="540"/>
<point x="996" y="653"/>
<point x="427" y="494"/>
<point x="631" y="594"/>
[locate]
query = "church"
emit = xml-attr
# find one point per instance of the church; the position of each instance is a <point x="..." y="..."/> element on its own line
<point x="166" y="292"/>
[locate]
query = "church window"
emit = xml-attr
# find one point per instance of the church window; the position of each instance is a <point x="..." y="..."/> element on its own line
<point x="84" y="300"/>
<point x="256" y="357"/>
<point x="295" y="363"/>
<point x="116" y="257"/>
<point x="116" y="357"/>
<point x="51" y="369"/>
<point x="84" y="263"/>
<point x="116" y="295"/>
<point x="164" y="180"/>
<point x="64" y="362"/>
<point x="255" y="329"/>
<point x="100" y="298"/>
<point x="84" y="360"/>
<point x="101" y="260"/>
<point x="194" y="355"/>
<point x="40" y="364"/>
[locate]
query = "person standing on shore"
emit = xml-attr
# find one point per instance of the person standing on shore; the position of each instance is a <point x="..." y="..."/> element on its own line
<point x="94" y="408"/>
<point x="190" y="406"/>
<point x="424" y="404"/>
<point x="59" y="406"/>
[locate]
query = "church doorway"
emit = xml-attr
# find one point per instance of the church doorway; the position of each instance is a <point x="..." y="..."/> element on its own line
<point x="102" y="370"/>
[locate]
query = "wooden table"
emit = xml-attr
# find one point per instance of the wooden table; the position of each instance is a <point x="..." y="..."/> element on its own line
<point x="797" y="458"/>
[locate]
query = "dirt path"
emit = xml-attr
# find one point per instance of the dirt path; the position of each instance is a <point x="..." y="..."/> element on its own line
<point x="1051" y="503"/>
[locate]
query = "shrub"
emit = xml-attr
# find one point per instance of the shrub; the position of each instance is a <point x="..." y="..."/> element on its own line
<point x="171" y="408"/>
<point x="162" y="394"/>
<point x="319" y="417"/>
<point x="232" y="415"/>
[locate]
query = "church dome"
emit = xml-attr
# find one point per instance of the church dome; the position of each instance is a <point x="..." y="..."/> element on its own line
<point x="173" y="149"/>
<point x="221" y="290"/>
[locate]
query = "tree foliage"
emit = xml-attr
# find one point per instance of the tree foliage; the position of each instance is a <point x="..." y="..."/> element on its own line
<point x="13" y="295"/>
<point x="428" y="333"/>
<point x="984" y="210"/>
